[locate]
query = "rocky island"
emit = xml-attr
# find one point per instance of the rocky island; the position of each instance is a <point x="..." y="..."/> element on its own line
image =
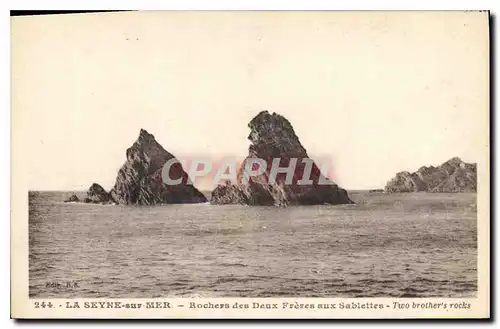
<point x="452" y="176"/>
<point x="95" y="194"/>
<point x="140" y="182"/>
<point x="272" y="136"/>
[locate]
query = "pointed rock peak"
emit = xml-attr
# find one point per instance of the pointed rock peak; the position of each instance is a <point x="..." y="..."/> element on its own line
<point x="145" y="135"/>
<point x="146" y="143"/>
<point x="146" y="138"/>
<point x="270" y="126"/>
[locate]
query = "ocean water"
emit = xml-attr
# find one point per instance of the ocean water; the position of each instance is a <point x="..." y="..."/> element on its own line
<point x="398" y="245"/>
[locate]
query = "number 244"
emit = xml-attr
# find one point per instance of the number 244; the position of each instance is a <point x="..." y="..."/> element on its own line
<point x="43" y="305"/>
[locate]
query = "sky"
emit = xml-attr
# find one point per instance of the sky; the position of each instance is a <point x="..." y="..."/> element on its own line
<point x="374" y="92"/>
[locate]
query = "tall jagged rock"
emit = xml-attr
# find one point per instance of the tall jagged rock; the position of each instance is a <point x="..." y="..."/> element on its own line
<point x="140" y="181"/>
<point x="452" y="176"/>
<point x="272" y="137"/>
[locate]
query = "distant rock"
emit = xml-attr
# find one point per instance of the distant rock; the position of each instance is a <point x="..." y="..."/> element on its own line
<point x="140" y="182"/>
<point x="97" y="194"/>
<point x="452" y="176"/>
<point x="72" y="198"/>
<point x="229" y="194"/>
<point x="272" y="136"/>
<point x="377" y="190"/>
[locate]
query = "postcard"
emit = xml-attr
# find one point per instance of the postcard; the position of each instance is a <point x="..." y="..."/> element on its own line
<point x="251" y="165"/>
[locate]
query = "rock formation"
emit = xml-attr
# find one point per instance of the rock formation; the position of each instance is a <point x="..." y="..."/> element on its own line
<point x="452" y="176"/>
<point x="272" y="136"/>
<point x="72" y="198"/>
<point x="97" y="194"/>
<point x="140" y="181"/>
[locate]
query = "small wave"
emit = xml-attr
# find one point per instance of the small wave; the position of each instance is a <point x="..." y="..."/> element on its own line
<point x="413" y="290"/>
<point x="371" y="281"/>
<point x="177" y="284"/>
<point x="351" y="291"/>
<point x="232" y="279"/>
<point x="467" y="285"/>
<point x="232" y="264"/>
<point x="55" y="253"/>
<point x="334" y="285"/>
<point x="263" y="277"/>
<point x="420" y="279"/>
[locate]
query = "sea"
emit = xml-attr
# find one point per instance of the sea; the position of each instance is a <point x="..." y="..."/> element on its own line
<point x="385" y="245"/>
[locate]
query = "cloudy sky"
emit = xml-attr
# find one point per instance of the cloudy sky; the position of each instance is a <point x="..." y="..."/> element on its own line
<point x="376" y="93"/>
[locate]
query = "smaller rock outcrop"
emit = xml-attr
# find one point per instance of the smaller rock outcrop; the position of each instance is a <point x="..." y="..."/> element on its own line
<point x="229" y="194"/>
<point x="97" y="194"/>
<point x="452" y="176"/>
<point x="72" y="198"/>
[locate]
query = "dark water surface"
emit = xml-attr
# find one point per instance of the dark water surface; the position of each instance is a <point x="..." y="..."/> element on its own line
<point x="401" y="245"/>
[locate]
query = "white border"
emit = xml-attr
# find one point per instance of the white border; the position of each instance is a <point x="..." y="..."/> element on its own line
<point x="187" y="4"/>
